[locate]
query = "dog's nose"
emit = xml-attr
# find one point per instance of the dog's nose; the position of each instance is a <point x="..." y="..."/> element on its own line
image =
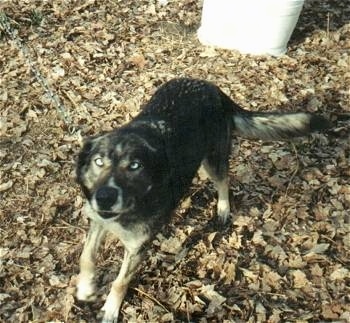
<point x="106" y="197"/>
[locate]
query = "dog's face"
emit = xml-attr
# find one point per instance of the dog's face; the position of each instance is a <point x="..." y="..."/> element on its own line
<point x="117" y="171"/>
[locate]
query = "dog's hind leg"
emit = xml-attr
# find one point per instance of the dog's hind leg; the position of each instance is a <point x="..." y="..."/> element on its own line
<point x="221" y="182"/>
<point x="223" y="208"/>
<point x="216" y="165"/>
<point x="86" y="284"/>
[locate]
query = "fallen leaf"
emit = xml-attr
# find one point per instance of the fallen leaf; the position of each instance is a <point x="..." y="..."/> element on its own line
<point x="6" y="186"/>
<point x="299" y="279"/>
<point x="340" y="274"/>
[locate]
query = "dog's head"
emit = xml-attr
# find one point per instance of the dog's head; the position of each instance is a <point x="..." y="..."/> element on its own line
<point x="118" y="170"/>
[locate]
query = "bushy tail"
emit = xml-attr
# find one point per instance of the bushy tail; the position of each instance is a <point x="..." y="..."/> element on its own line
<point x="272" y="125"/>
<point x="277" y="126"/>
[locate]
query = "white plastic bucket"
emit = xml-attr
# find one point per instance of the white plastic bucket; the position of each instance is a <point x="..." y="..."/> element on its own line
<point x="250" y="26"/>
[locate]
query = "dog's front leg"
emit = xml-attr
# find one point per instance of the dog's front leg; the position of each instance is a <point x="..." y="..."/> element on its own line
<point x="86" y="284"/>
<point x="119" y="287"/>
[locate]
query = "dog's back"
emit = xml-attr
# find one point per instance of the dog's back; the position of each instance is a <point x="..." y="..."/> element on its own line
<point x="198" y="104"/>
<point x="195" y="123"/>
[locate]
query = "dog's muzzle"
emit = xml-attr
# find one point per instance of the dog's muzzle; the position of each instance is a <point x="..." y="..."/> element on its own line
<point x="106" y="197"/>
<point x="109" y="202"/>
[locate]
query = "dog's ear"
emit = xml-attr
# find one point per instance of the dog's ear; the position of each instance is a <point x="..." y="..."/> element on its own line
<point x="86" y="148"/>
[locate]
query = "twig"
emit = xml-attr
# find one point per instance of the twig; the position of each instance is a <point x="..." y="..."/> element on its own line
<point x="68" y="225"/>
<point x="272" y="294"/>
<point x="151" y="298"/>
<point x="71" y="99"/>
<point x="295" y="171"/>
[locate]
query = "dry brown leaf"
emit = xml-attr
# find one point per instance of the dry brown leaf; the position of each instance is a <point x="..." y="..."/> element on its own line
<point x="6" y="186"/>
<point x="249" y="274"/>
<point x="215" y="298"/>
<point x="299" y="279"/>
<point x="229" y="270"/>
<point x="340" y="274"/>
<point x="186" y="203"/>
<point x="319" y="248"/>
<point x="173" y="245"/>
<point x="330" y="311"/>
<point x="260" y="312"/>
<point x="258" y="239"/>
<point x="316" y="270"/>
<point x="291" y="200"/>
<point x="138" y="60"/>
<point x="276" y="252"/>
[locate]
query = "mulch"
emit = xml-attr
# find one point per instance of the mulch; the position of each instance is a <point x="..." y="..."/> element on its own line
<point x="284" y="257"/>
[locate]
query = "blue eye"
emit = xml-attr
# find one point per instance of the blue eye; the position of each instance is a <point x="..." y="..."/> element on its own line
<point x="134" y="165"/>
<point x="99" y="161"/>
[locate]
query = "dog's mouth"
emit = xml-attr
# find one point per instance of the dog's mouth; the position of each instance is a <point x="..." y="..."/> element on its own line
<point x="108" y="214"/>
<point x="114" y="212"/>
<point x="110" y="201"/>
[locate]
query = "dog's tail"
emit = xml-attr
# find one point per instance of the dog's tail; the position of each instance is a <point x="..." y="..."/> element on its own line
<point x="275" y="125"/>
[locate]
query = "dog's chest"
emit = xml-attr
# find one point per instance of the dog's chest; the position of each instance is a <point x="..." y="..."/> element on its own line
<point x="131" y="237"/>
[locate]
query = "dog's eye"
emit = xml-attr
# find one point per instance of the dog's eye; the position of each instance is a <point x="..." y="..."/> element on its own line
<point x="99" y="161"/>
<point x="134" y="165"/>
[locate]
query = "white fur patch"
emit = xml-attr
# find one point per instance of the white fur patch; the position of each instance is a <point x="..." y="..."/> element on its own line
<point x="288" y="121"/>
<point x="223" y="209"/>
<point x="85" y="289"/>
<point x="272" y="127"/>
<point x="111" y="307"/>
<point x="130" y="239"/>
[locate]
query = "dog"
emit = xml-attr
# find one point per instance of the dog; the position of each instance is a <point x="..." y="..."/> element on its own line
<point x="135" y="176"/>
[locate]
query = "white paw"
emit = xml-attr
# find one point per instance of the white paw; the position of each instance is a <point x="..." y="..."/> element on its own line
<point x="223" y="210"/>
<point x="86" y="290"/>
<point x="111" y="309"/>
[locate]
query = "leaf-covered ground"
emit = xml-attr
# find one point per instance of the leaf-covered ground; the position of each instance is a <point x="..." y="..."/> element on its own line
<point x="284" y="257"/>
